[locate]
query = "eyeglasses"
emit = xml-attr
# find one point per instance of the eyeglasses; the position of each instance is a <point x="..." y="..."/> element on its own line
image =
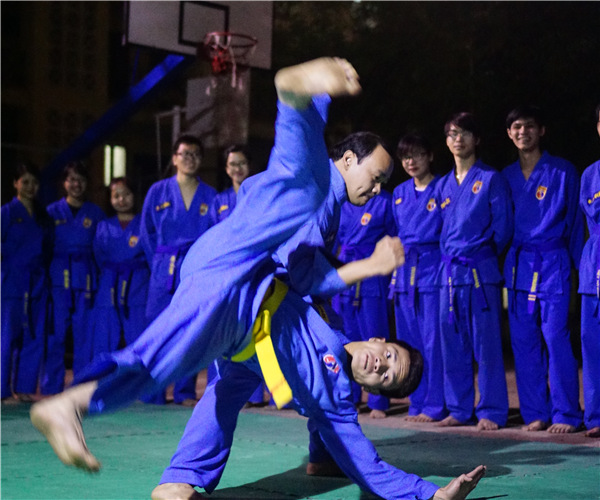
<point x="415" y="156"/>
<point x="465" y="134"/>
<point x="186" y="155"/>
<point x="237" y="164"/>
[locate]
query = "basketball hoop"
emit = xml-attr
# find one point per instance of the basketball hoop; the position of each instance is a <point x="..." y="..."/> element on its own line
<point x="225" y="50"/>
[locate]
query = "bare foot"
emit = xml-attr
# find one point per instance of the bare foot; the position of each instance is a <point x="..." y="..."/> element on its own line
<point x="377" y="414"/>
<point x="594" y="432"/>
<point x="460" y="487"/>
<point x="324" y="469"/>
<point x="189" y="403"/>
<point x="450" y="421"/>
<point x="485" y="424"/>
<point x="535" y="426"/>
<point x="411" y="418"/>
<point x="561" y="429"/>
<point x="327" y="75"/>
<point x="59" y="419"/>
<point x="175" y="491"/>
<point x="422" y="418"/>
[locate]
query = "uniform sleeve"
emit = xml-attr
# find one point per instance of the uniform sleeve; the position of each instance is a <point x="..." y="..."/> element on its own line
<point x="148" y="231"/>
<point x="501" y="206"/>
<point x="359" y="460"/>
<point x="574" y="218"/>
<point x="4" y="221"/>
<point x="311" y="270"/>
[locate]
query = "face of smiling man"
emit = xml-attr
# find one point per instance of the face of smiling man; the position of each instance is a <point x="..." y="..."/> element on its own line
<point x="377" y="364"/>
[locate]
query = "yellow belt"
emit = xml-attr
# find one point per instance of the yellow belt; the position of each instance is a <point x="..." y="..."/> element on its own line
<point x="262" y="345"/>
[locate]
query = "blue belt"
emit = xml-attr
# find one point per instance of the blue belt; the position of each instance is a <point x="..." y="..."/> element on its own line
<point x="472" y="262"/>
<point x="122" y="274"/>
<point x="174" y="252"/>
<point x="537" y="250"/>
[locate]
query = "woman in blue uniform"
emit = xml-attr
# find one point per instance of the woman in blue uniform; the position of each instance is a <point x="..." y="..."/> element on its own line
<point x="73" y="276"/>
<point x="413" y="288"/>
<point x="175" y="214"/>
<point x="120" y="304"/>
<point x="25" y="293"/>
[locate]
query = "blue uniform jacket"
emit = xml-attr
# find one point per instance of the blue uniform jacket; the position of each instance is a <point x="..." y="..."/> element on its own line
<point x="547" y="217"/>
<point x="72" y="259"/>
<point x="222" y="206"/>
<point x="25" y="251"/>
<point x="478" y="223"/>
<point x="589" y="269"/>
<point x="124" y="272"/>
<point x="168" y="229"/>
<point x="419" y="223"/>
<point x="360" y="230"/>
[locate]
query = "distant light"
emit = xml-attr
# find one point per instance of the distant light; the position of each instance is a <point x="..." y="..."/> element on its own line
<point x="107" y="164"/>
<point x="119" y="161"/>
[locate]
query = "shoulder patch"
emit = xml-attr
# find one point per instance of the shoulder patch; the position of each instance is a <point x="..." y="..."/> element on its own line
<point x="365" y="219"/>
<point x="87" y="222"/>
<point x="477" y="187"/>
<point x="431" y="204"/>
<point x="203" y="209"/>
<point x="162" y="206"/>
<point x="133" y="241"/>
<point x="331" y="363"/>
<point x="593" y="198"/>
<point x="398" y="201"/>
<point x="540" y="194"/>
<point x="222" y="208"/>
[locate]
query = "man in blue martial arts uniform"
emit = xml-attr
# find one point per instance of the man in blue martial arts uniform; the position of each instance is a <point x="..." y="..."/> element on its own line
<point x="547" y="244"/>
<point x="589" y="288"/>
<point x="477" y="224"/>
<point x="364" y="306"/>
<point x="204" y="323"/>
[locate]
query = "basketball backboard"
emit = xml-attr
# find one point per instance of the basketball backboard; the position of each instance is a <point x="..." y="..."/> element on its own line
<point x="179" y="27"/>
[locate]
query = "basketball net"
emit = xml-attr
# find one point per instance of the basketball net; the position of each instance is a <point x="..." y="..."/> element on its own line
<point x="225" y="50"/>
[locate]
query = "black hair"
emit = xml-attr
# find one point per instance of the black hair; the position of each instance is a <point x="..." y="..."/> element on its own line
<point x="527" y="111"/>
<point x="465" y="121"/>
<point x="75" y="167"/>
<point x="415" y="373"/>
<point x="236" y="148"/>
<point x="362" y="144"/>
<point x="191" y="140"/>
<point x="126" y="181"/>
<point x="410" y="142"/>
<point x="26" y="168"/>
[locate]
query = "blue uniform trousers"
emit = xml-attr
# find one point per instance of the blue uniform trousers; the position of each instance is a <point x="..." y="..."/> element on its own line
<point x="78" y="316"/>
<point x="590" y="348"/>
<point x="22" y="349"/>
<point x="418" y="325"/>
<point x="474" y="334"/>
<point x="111" y="321"/>
<point x="544" y="357"/>
<point x="368" y="319"/>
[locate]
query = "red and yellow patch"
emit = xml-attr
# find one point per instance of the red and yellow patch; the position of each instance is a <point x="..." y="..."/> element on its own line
<point x="477" y="187"/>
<point x="365" y="219"/>
<point x="540" y="194"/>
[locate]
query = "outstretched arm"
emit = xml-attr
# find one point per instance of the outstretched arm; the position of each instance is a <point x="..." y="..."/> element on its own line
<point x="460" y="486"/>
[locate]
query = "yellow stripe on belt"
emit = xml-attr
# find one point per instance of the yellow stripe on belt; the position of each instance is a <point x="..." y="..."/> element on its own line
<point x="262" y="345"/>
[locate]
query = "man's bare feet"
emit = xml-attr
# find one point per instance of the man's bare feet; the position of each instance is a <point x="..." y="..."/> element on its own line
<point x="327" y="75"/>
<point x="59" y="419"/>
<point x="485" y="424"/>
<point x="561" y="429"/>
<point x="535" y="426"/>
<point x="420" y="418"/>
<point x="460" y="487"/>
<point x="594" y="432"/>
<point x="324" y="469"/>
<point x="377" y="414"/>
<point x="450" y="421"/>
<point x="175" y="491"/>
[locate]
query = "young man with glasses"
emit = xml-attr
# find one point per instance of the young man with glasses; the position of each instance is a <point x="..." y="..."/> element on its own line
<point x="477" y="215"/>
<point x="174" y="215"/>
<point x="547" y="244"/>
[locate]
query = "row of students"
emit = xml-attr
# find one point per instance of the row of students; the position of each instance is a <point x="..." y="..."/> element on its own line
<point x="447" y="296"/>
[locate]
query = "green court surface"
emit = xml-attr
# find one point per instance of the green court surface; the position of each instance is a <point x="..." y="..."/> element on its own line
<point x="269" y="458"/>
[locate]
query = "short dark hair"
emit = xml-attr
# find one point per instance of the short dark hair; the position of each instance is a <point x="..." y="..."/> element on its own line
<point x="236" y="148"/>
<point x="465" y="121"/>
<point x="415" y="373"/>
<point x="410" y="142"/>
<point x="75" y="167"/>
<point x="26" y="168"/>
<point x="362" y="144"/>
<point x="190" y="140"/>
<point x="126" y="181"/>
<point x="527" y="111"/>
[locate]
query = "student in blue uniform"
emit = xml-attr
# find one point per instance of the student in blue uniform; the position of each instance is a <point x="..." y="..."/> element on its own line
<point x="73" y="277"/>
<point x="203" y="323"/>
<point x="120" y="304"/>
<point x="174" y="215"/>
<point x="25" y="289"/>
<point x="589" y="288"/>
<point x="547" y="244"/>
<point x="477" y="216"/>
<point x="363" y="306"/>
<point x="413" y="288"/>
